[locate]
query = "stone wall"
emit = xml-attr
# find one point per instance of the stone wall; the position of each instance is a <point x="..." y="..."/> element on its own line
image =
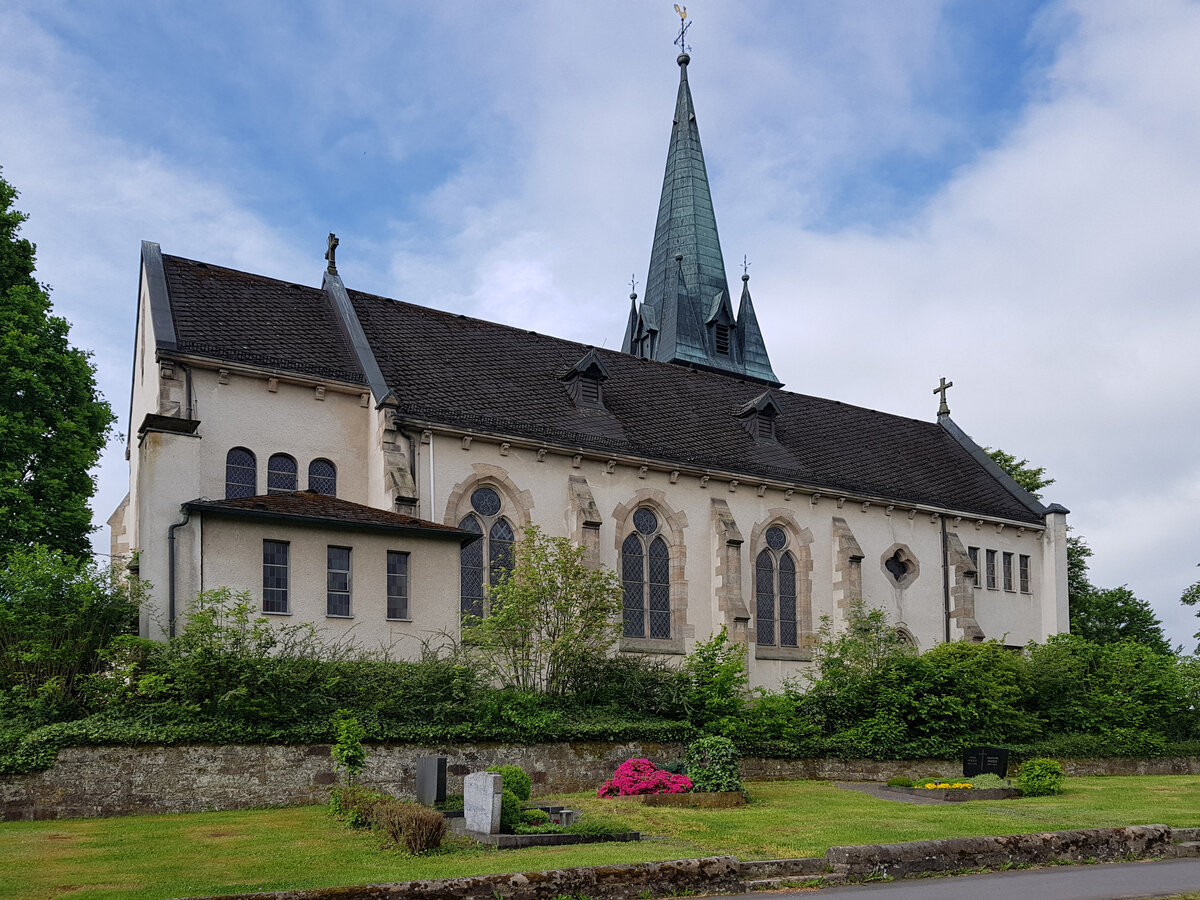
<point x="113" y="781"/>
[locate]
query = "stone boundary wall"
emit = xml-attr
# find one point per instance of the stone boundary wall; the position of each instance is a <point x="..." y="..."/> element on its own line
<point x="124" y="780"/>
<point x="724" y="874"/>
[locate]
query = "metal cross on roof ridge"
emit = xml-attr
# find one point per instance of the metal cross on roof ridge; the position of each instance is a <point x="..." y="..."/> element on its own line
<point x="943" y="408"/>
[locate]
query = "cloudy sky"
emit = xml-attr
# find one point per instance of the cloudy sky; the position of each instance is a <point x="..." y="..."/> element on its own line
<point x="1006" y="194"/>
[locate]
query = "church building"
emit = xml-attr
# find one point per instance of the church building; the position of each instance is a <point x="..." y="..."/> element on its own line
<point x="366" y="464"/>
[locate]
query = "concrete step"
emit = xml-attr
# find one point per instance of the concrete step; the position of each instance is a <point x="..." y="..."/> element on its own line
<point x="791" y="882"/>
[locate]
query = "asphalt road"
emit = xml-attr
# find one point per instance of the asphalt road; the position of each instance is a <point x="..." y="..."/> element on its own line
<point x="1111" y="881"/>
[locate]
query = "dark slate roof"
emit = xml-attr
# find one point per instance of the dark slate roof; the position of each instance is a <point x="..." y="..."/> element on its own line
<point x="466" y="372"/>
<point x="309" y="507"/>
<point x="457" y="370"/>
<point x="252" y="319"/>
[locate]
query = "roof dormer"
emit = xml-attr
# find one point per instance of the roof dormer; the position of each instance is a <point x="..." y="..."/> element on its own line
<point x="584" y="381"/>
<point x="759" y="415"/>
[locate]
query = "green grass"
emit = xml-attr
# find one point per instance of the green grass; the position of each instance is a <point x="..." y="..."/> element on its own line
<point x="207" y="853"/>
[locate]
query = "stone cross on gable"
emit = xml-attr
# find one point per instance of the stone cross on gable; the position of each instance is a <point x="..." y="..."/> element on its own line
<point x="943" y="409"/>
<point x="330" y="254"/>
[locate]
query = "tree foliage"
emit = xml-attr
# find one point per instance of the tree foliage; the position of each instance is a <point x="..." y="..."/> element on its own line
<point x="1109" y="615"/>
<point x="549" y="613"/>
<point x="1191" y="597"/>
<point x="1020" y="471"/>
<point x="53" y="422"/>
<point x="58" y="616"/>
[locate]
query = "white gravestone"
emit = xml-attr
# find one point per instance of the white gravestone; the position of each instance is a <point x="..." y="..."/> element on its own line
<point x="482" y="792"/>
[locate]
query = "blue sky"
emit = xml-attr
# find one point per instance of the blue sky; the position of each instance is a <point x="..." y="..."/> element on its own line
<point x="1001" y="193"/>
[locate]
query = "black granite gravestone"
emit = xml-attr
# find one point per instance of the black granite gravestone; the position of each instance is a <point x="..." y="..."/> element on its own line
<point x="431" y="779"/>
<point x="985" y="761"/>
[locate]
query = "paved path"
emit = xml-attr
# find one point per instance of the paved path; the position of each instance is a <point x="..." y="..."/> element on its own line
<point x="1111" y="881"/>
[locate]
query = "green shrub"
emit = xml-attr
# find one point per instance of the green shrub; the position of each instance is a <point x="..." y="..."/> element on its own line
<point x="900" y="781"/>
<point x="355" y="805"/>
<point x="712" y="765"/>
<point x="989" y="782"/>
<point x="534" y="817"/>
<point x="510" y="812"/>
<point x="597" y="827"/>
<point x="348" y="753"/>
<point x="516" y="780"/>
<point x="1039" y="777"/>
<point x="388" y="816"/>
<point x="714" y="682"/>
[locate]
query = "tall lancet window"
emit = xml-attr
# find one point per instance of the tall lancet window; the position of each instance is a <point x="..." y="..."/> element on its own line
<point x="482" y="562"/>
<point x="775" y="591"/>
<point x="646" y="579"/>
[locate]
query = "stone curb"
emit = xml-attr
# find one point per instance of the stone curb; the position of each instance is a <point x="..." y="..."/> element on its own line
<point x="725" y="874"/>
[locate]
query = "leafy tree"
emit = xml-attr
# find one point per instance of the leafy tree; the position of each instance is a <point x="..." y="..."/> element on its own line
<point x="1191" y="597"/>
<point x="57" y="617"/>
<point x="53" y="422"/>
<point x="1108" y="615"/>
<point x="715" y="683"/>
<point x="1078" y="584"/>
<point x="549" y="612"/>
<point x="1020" y="471"/>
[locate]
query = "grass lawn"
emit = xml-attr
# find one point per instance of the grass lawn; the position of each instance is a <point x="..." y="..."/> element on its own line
<point x="209" y="853"/>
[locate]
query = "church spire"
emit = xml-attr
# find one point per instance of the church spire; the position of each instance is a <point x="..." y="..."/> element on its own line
<point x="687" y="292"/>
<point x="754" y="348"/>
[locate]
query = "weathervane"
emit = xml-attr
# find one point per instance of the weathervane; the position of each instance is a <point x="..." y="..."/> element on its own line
<point x="684" y="25"/>
<point x="632" y="287"/>
<point x="745" y="266"/>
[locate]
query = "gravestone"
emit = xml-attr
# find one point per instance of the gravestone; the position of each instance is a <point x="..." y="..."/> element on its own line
<point x="481" y="802"/>
<point x="431" y="779"/>
<point x="985" y="761"/>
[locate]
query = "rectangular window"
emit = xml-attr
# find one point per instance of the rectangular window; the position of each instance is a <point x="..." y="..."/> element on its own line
<point x="991" y="569"/>
<point x="337" y="581"/>
<point x="973" y="552"/>
<point x="1008" y="571"/>
<point x="1023" y="572"/>
<point x="397" y="585"/>
<point x="275" y="576"/>
<point x="590" y="390"/>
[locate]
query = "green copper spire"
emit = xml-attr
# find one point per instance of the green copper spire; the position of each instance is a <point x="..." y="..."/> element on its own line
<point x="686" y="315"/>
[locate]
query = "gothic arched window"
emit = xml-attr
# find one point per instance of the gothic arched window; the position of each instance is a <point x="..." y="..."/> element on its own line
<point x="322" y="477"/>
<point x="492" y="553"/>
<point x="241" y="473"/>
<point x="281" y="474"/>
<point x="775" y="591"/>
<point x="646" y="579"/>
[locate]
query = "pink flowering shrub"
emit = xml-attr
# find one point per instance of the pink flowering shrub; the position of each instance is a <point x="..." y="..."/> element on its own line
<point x="639" y="776"/>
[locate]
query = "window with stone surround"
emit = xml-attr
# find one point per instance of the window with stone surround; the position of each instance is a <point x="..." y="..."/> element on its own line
<point x="491" y="554"/>
<point x="775" y="592"/>
<point x="1023" y="572"/>
<point x="241" y="474"/>
<point x="990" y="556"/>
<point x="275" y="576"/>
<point x="973" y="552"/>
<point x="646" y="579"/>
<point x="1007" y="569"/>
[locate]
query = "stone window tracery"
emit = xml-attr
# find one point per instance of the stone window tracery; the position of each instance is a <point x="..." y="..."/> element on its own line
<point x="491" y="554"/>
<point x="775" y="592"/>
<point x="646" y="578"/>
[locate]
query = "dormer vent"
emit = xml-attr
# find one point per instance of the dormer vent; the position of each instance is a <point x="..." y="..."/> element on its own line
<point x="584" y="381"/>
<point x="759" y="415"/>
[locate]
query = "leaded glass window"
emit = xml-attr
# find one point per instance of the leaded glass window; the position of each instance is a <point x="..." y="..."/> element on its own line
<point x="1024" y="573"/>
<point x="281" y="474"/>
<point x="397" y="585"/>
<point x="776" y="620"/>
<point x="275" y="576"/>
<point x="1007" y="560"/>
<point x="322" y="477"/>
<point x="337" y="581"/>
<point x="646" y="579"/>
<point x="491" y="554"/>
<point x="990" y="560"/>
<point x="241" y="473"/>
